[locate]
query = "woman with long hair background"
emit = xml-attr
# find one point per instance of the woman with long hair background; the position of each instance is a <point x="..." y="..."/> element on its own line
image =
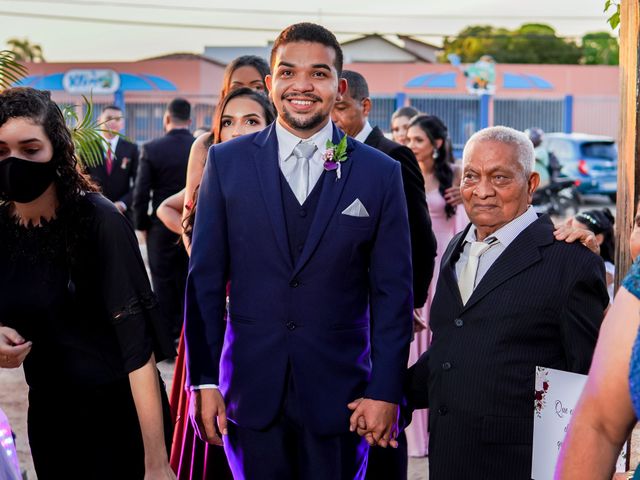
<point x="428" y="139"/>
<point x="241" y="112"/>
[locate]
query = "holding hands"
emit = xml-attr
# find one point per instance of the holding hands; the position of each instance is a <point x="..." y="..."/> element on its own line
<point x="13" y="348"/>
<point x="376" y="421"/>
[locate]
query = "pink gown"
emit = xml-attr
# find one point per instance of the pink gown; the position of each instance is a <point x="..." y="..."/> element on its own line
<point x="444" y="229"/>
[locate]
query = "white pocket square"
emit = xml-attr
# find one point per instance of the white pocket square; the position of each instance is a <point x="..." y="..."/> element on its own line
<point x="356" y="209"/>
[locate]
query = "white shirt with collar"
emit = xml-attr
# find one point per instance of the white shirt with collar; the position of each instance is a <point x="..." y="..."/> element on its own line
<point x="114" y="143"/>
<point x="500" y="240"/>
<point x="287" y="141"/>
<point x="364" y="133"/>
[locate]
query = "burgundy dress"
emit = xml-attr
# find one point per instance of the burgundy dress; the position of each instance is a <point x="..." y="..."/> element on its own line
<point x="191" y="458"/>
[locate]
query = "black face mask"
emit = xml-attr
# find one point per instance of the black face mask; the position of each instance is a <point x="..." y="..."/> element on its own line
<point x="23" y="181"/>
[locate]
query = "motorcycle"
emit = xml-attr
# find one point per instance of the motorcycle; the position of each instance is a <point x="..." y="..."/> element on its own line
<point x="560" y="198"/>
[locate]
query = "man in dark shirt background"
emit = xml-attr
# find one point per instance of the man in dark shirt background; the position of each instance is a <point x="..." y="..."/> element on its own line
<point x="162" y="173"/>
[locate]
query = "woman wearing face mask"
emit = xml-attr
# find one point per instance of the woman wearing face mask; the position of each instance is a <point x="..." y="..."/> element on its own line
<point x="76" y="308"/>
<point x="241" y="112"/>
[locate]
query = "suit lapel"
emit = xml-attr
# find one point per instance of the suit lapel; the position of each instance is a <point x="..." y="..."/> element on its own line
<point x="332" y="188"/>
<point x="520" y="254"/>
<point x="268" y="169"/>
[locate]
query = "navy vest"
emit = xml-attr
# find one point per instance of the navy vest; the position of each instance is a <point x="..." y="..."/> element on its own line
<point x="298" y="217"/>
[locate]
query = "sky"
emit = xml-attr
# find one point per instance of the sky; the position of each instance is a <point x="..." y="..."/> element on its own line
<point x="104" y="30"/>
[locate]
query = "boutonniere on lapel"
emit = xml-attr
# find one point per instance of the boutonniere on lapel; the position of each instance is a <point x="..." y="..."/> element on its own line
<point x="335" y="155"/>
<point x="125" y="163"/>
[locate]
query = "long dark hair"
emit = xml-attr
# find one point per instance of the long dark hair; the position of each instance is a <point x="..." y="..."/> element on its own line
<point x="435" y="129"/>
<point x="601" y="221"/>
<point x="70" y="182"/>
<point x="259" y="63"/>
<point x="214" y="137"/>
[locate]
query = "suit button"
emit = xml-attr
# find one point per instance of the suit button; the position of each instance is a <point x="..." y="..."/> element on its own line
<point x="290" y="326"/>
<point x="458" y="322"/>
<point x="303" y="213"/>
<point x="443" y="410"/>
<point x="446" y="366"/>
<point x="294" y="283"/>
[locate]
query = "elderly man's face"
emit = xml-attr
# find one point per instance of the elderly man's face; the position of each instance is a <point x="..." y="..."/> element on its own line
<point x="494" y="188"/>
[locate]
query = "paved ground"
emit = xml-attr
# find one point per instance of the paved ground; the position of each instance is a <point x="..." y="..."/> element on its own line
<point x="13" y="398"/>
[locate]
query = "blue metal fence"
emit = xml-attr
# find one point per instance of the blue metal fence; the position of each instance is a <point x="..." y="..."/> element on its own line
<point x="382" y="107"/>
<point x="143" y="121"/>
<point x="523" y="113"/>
<point x="461" y="114"/>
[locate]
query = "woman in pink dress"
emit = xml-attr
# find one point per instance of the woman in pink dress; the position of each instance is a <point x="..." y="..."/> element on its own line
<point x="428" y="140"/>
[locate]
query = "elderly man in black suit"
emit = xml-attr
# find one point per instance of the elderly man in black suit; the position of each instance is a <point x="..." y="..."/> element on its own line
<point x="116" y="175"/>
<point x="350" y="113"/>
<point x="163" y="172"/>
<point x="509" y="297"/>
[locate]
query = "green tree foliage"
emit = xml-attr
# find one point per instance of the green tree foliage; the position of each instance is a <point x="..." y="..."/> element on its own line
<point x="600" y="48"/>
<point x="614" y="19"/>
<point x="530" y="43"/>
<point x="25" y="51"/>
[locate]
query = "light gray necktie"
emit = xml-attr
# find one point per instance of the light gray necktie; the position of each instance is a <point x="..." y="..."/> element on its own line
<point x="299" y="182"/>
<point x="467" y="280"/>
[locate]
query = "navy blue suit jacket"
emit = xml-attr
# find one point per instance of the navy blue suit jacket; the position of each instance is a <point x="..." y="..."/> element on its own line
<point x="340" y="317"/>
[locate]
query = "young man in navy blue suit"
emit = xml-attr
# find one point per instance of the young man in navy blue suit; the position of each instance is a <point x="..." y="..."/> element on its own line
<point x="315" y="249"/>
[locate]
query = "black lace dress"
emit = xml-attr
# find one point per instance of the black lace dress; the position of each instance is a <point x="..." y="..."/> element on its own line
<point x="77" y="288"/>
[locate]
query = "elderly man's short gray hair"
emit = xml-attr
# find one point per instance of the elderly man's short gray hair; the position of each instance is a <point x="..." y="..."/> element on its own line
<point x="520" y="142"/>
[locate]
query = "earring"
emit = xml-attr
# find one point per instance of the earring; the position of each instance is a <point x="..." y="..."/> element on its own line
<point x="435" y="154"/>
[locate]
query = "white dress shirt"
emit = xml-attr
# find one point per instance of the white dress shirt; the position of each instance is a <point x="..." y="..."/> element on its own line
<point x="364" y="133"/>
<point x="114" y="143"/>
<point x="500" y="240"/>
<point x="287" y="141"/>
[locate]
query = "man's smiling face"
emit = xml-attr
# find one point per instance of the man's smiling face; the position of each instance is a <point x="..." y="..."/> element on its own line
<point x="304" y="86"/>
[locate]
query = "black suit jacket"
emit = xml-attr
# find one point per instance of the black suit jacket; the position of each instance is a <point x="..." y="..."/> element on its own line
<point x="423" y="242"/>
<point x="163" y="171"/>
<point x="118" y="186"/>
<point x="541" y="303"/>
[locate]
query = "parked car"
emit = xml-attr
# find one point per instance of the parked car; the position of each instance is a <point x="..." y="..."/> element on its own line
<point x="592" y="160"/>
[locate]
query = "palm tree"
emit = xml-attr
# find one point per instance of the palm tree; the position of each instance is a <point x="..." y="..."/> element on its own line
<point x="85" y="132"/>
<point x="25" y="50"/>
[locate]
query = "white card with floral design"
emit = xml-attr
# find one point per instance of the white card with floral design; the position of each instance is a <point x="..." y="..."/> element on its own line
<point x="556" y="395"/>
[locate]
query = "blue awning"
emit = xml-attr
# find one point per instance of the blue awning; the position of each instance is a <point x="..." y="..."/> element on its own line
<point x="433" y="80"/>
<point x="129" y="82"/>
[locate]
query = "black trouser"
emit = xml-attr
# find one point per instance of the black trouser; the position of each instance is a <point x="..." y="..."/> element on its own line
<point x="81" y="433"/>
<point x="169" y="263"/>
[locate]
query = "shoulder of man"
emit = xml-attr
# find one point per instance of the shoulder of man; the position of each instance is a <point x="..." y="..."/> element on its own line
<point x="242" y="146"/>
<point x="375" y="157"/>
<point x="127" y="145"/>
